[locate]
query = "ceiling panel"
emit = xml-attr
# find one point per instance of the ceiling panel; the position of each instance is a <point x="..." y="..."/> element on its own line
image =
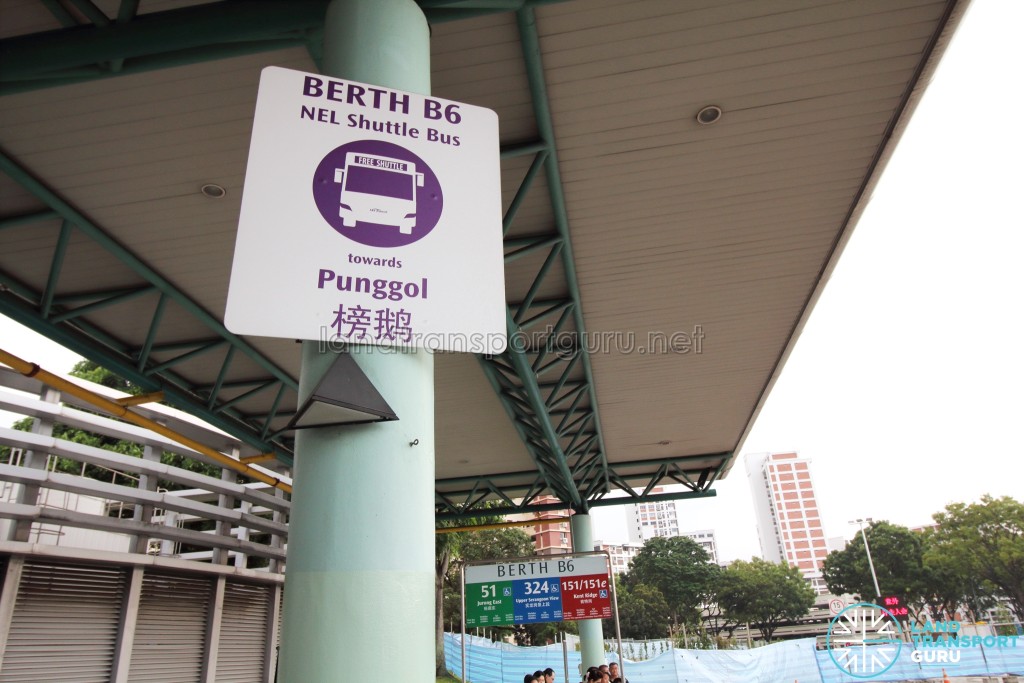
<point x="671" y="231"/>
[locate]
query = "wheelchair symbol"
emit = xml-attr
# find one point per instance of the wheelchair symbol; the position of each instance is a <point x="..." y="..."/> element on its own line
<point x="506" y="591"/>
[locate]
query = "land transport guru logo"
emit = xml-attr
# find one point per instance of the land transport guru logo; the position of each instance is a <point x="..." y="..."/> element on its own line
<point x="864" y="640"/>
<point x="377" y="193"/>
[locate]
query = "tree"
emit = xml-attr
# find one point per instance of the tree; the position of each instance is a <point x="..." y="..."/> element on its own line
<point x="953" y="587"/>
<point x="898" y="555"/>
<point x="715" y="620"/>
<point x="918" y="567"/>
<point x="643" y="611"/>
<point x="680" y="569"/>
<point x="491" y="544"/>
<point x="446" y="549"/>
<point x="986" y="540"/>
<point x="764" y="594"/>
<point x="451" y="550"/>
<point x="543" y="633"/>
<point x="97" y="374"/>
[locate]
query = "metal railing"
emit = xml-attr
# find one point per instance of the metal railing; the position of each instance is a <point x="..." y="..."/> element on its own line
<point x="55" y="491"/>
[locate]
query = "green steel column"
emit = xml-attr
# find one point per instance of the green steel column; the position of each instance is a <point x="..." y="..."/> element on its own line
<point x="591" y="633"/>
<point x="359" y="597"/>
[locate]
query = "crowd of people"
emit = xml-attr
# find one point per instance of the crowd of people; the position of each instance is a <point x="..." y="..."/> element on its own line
<point x="545" y="676"/>
<point x="606" y="673"/>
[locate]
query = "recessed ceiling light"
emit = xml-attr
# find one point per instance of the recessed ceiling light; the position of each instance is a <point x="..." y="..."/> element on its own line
<point x="709" y="114"/>
<point x="213" y="191"/>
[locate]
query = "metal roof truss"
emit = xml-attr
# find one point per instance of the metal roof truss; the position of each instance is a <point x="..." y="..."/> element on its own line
<point x="544" y="379"/>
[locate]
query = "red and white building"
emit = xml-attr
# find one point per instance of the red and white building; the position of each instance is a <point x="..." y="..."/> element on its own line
<point x="550" y="538"/>
<point x="788" y="519"/>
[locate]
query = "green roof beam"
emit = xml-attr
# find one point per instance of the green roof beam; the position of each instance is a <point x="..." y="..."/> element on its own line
<point x="269" y="417"/>
<point x="154" y="325"/>
<point x="28" y="219"/>
<point x="221" y="375"/>
<point x="63" y="17"/>
<point x="44" y="194"/>
<point x="160" y="33"/>
<point x="91" y="12"/>
<point x="524" y="188"/>
<point x="525" y="372"/>
<point x="113" y="300"/>
<point x="522" y="246"/>
<point x="522" y="149"/>
<point x="594" y="502"/>
<point x="56" y="263"/>
<point x="530" y="41"/>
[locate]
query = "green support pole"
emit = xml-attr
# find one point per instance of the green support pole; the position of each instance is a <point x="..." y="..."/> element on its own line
<point x="591" y="633"/>
<point x="359" y="587"/>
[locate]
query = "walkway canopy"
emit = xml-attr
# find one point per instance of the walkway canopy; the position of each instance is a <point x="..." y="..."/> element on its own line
<point x="659" y="269"/>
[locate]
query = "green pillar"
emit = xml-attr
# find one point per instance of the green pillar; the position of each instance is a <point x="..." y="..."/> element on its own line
<point x="359" y="584"/>
<point x="591" y="633"/>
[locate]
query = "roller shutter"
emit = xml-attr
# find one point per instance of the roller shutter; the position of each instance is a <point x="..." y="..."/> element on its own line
<point x="65" y="624"/>
<point x="170" y="630"/>
<point x="243" y="633"/>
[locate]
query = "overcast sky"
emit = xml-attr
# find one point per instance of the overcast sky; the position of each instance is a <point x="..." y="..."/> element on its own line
<point x="905" y="387"/>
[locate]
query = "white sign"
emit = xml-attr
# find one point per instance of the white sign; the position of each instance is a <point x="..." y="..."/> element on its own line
<point x="369" y="216"/>
<point x="537" y="567"/>
<point x="538" y="589"/>
<point x="836" y="605"/>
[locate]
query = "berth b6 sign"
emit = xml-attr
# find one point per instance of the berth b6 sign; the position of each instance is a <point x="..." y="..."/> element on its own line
<point x="358" y="201"/>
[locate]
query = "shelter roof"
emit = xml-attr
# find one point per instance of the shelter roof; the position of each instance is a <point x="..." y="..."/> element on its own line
<point x="659" y="270"/>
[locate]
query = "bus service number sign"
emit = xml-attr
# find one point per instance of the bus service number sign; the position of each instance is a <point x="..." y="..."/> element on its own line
<point x="537" y="590"/>
<point x="369" y="216"/>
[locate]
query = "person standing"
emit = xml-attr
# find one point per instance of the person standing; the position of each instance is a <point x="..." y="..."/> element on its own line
<point x="616" y="675"/>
